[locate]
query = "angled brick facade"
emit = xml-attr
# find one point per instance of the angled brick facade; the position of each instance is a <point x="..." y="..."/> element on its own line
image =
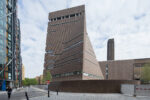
<point x="66" y="46"/>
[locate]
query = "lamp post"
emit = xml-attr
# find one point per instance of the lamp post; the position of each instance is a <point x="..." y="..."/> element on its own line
<point x="48" y="82"/>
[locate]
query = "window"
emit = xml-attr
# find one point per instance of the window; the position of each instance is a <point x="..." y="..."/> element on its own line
<point x="91" y="75"/>
<point x="51" y="66"/>
<point x="1" y="12"/>
<point x="77" y="14"/>
<point x="9" y="29"/>
<point x="49" y="51"/>
<point x="137" y="65"/>
<point x="76" y="72"/>
<point x="51" y="61"/>
<point x="54" y="19"/>
<point x="58" y="18"/>
<point x="9" y="5"/>
<point x="72" y="15"/>
<point x="1" y="5"/>
<point x="9" y="51"/>
<point x="73" y="45"/>
<point x="9" y="44"/>
<point x="9" y="20"/>
<point x="67" y="16"/>
<point x="1" y="23"/>
<point x="1" y="42"/>
<point x="1" y="32"/>
<point x="85" y="74"/>
<point x="80" y="13"/>
<point x="9" y="37"/>
<point x="51" y="20"/>
<point x="9" y="75"/>
<point x="68" y="74"/>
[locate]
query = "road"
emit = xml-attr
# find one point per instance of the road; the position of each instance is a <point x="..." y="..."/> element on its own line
<point x="19" y="94"/>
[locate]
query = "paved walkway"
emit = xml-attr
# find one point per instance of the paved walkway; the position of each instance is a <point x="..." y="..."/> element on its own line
<point x="82" y="96"/>
<point x="19" y="94"/>
<point x="2" y="92"/>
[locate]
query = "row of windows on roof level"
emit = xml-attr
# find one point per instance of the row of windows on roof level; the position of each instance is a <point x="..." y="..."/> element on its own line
<point x="64" y="17"/>
<point x="65" y="22"/>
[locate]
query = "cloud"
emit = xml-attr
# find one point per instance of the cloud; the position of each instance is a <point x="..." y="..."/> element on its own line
<point x="127" y="21"/>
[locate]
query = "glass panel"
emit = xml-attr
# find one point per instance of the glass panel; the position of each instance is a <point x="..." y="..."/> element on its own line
<point x="9" y="37"/>
<point x="3" y="31"/>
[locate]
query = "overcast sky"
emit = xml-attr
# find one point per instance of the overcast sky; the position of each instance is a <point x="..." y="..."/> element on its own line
<point x="127" y="21"/>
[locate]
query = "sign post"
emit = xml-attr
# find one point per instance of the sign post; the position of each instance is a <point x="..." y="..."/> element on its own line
<point x="48" y="82"/>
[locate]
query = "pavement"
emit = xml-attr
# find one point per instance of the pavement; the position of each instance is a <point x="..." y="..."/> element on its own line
<point x="88" y="96"/>
<point x="40" y="94"/>
<point x="2" y="92"/>
<point x="19" y="94"/>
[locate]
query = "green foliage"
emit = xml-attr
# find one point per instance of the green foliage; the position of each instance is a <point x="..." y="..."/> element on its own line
<point x="29" y="81"/>
<point x="47" y="76"/>
<point x="145" y="73"/>
<point x="24" y="83"/>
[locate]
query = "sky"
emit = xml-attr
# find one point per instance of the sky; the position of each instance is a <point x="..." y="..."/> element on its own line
<point x="127" y="21"/>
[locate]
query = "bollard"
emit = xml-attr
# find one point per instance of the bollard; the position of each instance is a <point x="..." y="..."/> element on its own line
<point x="57" y="92"/>
<point x="134" y="95"/>
<point x="26" y="94"/>
<point x="48" y="93"/>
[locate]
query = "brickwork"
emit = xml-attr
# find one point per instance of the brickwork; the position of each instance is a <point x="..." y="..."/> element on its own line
<point x="110" y="49"/>
<point x="122" y="69"/>
<point x="69" y="53"/>
<point x="90" y="86"/>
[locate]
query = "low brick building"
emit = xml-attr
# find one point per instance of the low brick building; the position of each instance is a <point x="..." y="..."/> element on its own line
<point x="40" y="79"/>
<point x="123" y="69"/>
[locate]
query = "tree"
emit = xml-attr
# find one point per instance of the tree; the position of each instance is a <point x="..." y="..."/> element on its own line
<point x="29" y="81"/>
<point x="24" y="83"/>
<point x="47" y="76"/>
<point x="145" y="73"/>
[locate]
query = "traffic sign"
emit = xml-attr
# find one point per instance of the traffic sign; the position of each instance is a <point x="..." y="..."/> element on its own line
<point x="48" y="81"/>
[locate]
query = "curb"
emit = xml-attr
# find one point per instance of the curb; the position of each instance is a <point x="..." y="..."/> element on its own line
<point x="39" y="89"/>
<point x="2" y="92"/>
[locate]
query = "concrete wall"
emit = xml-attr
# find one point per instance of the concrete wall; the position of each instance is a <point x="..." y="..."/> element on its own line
<point x="90" y="86"/>
<point x="127" y="89"/>
<point x="138" y="90"/>
<point x="142" y="90"/>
